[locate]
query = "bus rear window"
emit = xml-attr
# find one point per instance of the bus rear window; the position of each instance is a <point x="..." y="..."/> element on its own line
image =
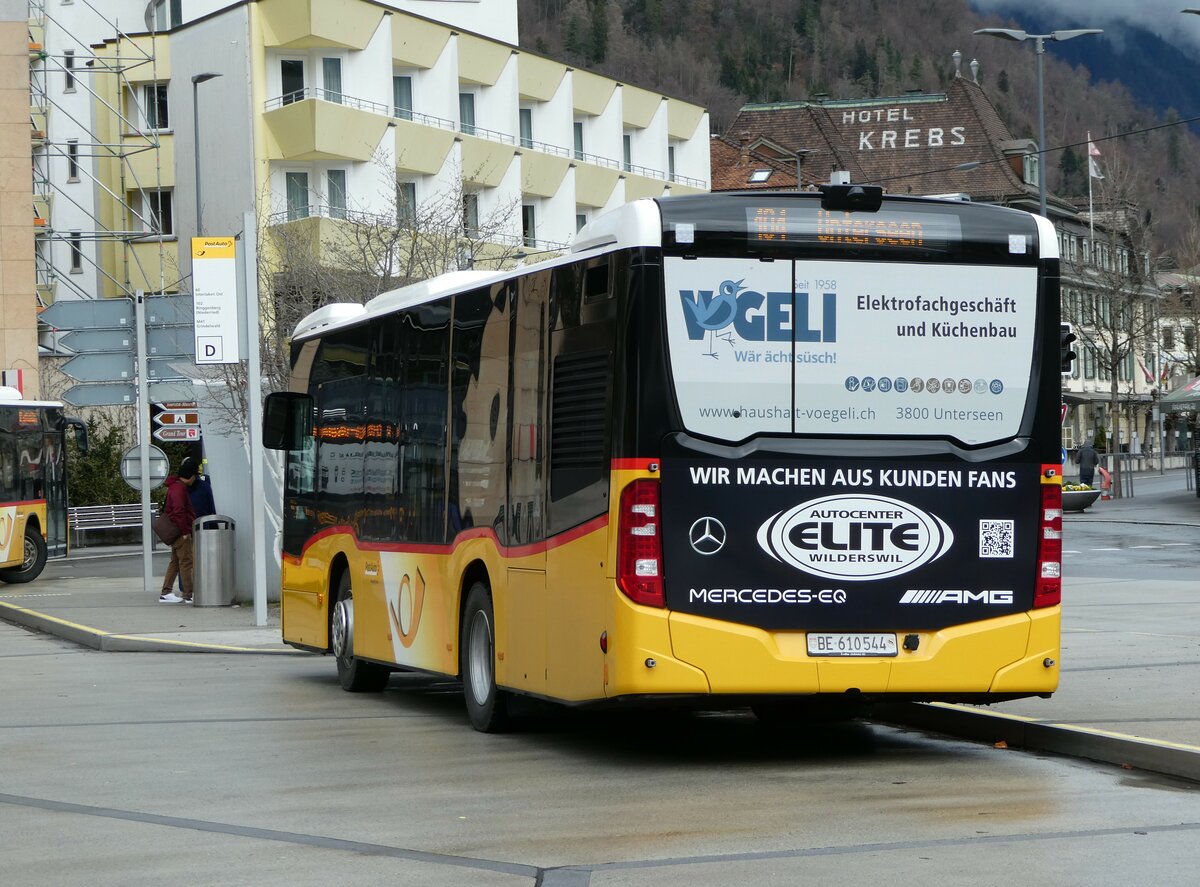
<point x="826" y="347"/>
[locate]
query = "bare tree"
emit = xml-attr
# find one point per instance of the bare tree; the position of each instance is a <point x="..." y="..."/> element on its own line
<point x="348" y="255"/>
<point x="1116" y="317"/>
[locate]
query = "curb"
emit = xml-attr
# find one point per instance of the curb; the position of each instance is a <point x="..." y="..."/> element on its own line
<point x="966" y="722"/>
<point x="113" y="642"/>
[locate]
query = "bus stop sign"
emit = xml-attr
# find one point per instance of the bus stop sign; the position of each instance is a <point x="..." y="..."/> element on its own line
<point x="131" y="467"/>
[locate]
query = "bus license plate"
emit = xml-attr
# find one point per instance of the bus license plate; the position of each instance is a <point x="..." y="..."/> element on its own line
<point x="826" y="644"/>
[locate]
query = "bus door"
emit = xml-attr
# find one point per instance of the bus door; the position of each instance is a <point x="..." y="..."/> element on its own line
<point x="55" y="486"/>
<point x="525" y="526"/>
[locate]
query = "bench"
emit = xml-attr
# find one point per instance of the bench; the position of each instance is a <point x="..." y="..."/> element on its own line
<point x="82" y="518"/>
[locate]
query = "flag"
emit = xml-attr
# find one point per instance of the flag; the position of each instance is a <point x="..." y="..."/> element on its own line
<point x="1145" y="372"/>
<point x="1166" y="373"/>
<point x="1093" y="167"/>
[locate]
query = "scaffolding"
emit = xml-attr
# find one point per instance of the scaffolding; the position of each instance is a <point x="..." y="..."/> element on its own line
<point x="102" y="213"/>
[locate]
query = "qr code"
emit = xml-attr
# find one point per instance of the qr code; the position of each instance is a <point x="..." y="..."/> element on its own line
<point x="995" y="538"/>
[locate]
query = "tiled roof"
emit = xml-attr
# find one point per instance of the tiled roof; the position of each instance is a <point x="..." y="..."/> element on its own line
<point x="910" y="144"/>
<point x="734" y="168"/>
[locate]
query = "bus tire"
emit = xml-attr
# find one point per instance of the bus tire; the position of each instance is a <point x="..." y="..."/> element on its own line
<point x="34" y="562"/>
<point x="487" y="706"/>
<point x="356" y="675"/>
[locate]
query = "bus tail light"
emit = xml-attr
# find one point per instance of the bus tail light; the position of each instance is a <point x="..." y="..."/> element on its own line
<point x="1048" y="591"/>
<point x="639" y="544"/>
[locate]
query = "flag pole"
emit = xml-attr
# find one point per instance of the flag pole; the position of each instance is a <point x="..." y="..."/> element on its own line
<point x="1091" y="213"/>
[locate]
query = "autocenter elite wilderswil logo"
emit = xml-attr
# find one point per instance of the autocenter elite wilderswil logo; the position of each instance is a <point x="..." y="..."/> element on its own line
<point x="855" y="537"/>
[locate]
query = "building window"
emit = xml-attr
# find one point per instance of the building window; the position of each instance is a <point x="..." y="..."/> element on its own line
<point x="291" y="78"/>
<point x="1030" y="169"/>
<point x="760" y="175"/>
<point x="580" y="220"/>
<point x="528" y="225"/>
<point x="68" y="70"/>
<point x="167" y="14"/>
<point x="335" y="184"/>
<point x="1089" y="363"/>
<point x="157" y="210"/>
<point x="297" y="195"/>
<point x="406" y="203"/>
<point x="331" y="77"/>
<point x="1189" y="339"/>
<point x="75" y="239"/>
<point x="671" y="161"/>
<point x="578" y="139"/>
<point x="72" y="160"/>
<point x="471" y="214"/>
<point x="627" y="151"/>
<point x="402" y="104"/>
<point x="1168" y="337"/>
<point x="466" y="112"/>
<point x="154" y="105"/>
<point x="526" y="115"/>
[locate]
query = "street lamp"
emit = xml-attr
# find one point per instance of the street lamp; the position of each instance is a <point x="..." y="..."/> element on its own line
<point x="197" y="79"/>
<point x="1039" y="48"/>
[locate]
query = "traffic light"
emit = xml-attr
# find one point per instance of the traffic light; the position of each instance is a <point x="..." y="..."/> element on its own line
<point x="1065" y="355"/>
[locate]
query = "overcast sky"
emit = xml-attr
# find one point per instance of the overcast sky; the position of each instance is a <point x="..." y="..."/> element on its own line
<point x="1162" y="17"/>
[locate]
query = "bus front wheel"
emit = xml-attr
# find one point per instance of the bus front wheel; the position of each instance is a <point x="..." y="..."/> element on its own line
<point x="487" y="706"/>
<point x="33" y="562"/>
<point x="356" y="675"/>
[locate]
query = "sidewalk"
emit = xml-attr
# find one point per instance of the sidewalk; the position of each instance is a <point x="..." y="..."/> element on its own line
<point x="1125" y="695"/>
<point x="78" y="598"/>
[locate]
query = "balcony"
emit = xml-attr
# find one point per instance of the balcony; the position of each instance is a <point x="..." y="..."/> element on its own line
<point x="306" y="25"/>
<point x="317" y="124"/>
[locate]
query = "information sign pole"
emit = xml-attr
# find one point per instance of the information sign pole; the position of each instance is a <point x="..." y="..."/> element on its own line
<point x="143" y="399"/>
<point x="258" y="522"/>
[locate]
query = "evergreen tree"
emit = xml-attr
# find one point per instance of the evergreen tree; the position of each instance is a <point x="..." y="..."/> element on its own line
<point x="598" y="36"/>
<point x="1074" y="175"/>
<point x="573" y="43"/>
<point x="1002" y="80"/>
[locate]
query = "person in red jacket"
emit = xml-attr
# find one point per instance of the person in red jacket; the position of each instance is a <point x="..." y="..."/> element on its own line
<point x="179" y="509"/>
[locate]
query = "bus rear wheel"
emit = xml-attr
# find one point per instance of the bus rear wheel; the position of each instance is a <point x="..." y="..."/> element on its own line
<point x="356" y="675"/>
<point x="33" y="561"/>
<point x="487" y="706"/>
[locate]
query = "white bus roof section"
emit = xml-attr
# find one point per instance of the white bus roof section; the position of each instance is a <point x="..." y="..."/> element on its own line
<point x="1047" y="238"/>
<point x="338" y="314"/>
<point x="632" y="224"/>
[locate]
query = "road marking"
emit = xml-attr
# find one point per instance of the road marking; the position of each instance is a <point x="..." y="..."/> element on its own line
<point x="1104" y="549"/>
<point x="38" y="594"/>
<point x="1145" y="546"/>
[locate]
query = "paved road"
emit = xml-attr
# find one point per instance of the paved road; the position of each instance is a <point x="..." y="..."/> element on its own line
<point x="170" y="769"/>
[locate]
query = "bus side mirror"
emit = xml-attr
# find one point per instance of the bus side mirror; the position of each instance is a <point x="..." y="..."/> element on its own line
<point x="287" y="420"/>
<point x="81" y="434"/>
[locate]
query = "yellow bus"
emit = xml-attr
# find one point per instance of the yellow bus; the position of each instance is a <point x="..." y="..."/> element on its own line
<point x="33" y="484"/>
<point x="791" y="451"/>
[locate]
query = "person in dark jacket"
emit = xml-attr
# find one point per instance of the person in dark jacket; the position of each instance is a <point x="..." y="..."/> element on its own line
<point x="179" y="509"/>
<point x="1088" y="459"/>
<point x="202" y="496"/>
<point x="203" y="505"/>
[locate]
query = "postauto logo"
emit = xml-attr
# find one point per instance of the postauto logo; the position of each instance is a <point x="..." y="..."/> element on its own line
<point x="855" y="537"/>
<point x="759" y="317"/>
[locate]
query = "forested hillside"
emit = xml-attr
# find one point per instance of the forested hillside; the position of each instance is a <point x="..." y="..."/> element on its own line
<point x="724" y="53"/>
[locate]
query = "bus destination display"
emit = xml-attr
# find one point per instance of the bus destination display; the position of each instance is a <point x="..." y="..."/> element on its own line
<point x="883" y="229"/>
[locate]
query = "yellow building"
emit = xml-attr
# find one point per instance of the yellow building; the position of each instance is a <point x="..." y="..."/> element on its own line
<point x="317" y="115"/>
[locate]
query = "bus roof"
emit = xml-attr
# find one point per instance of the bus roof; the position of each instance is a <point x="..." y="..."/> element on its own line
<point x="632" y="224"/>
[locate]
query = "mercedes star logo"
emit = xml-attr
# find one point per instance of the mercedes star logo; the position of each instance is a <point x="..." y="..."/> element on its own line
<point x="707" y="536"/>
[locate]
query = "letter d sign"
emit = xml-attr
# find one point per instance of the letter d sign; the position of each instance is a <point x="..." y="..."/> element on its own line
<point x="209" y="349"/>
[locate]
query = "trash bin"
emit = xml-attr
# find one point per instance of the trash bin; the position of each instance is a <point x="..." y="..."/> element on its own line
<point x="212" y="580"/>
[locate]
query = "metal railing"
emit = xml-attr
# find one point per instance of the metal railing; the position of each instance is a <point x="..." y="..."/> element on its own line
<point x="340" y="98"/>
